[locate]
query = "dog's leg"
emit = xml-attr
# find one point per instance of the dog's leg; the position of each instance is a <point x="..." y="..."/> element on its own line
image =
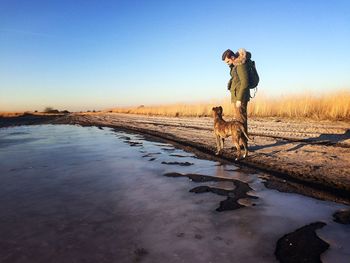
<point x="222" y="143"/>
<point x="245" y="145"/>
<point x="217" y="144"/>
<point x="238" y="147"/>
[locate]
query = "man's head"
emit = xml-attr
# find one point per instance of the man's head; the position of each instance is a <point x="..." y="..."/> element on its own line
<point x="228" y="57"/>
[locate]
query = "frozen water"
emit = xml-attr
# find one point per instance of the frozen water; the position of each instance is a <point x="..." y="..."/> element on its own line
<point x="74" y="194"/>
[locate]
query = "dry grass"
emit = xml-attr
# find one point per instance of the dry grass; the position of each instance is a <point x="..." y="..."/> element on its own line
<point x="331" y="106"/>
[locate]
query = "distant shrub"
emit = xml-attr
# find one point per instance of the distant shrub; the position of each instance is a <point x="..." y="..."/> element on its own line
<point x="50" y="110"/>
<point x="26" y="113"/>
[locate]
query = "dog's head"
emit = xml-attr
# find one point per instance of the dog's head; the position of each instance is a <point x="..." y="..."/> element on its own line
<point x="217" y="111"/>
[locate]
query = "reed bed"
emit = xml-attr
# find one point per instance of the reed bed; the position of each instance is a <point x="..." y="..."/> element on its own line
<point x="327" y="106"/>
<point x="331" y="106"/>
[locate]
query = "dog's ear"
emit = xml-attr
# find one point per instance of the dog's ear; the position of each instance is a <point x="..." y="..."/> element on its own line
<point x="220" y="108"/>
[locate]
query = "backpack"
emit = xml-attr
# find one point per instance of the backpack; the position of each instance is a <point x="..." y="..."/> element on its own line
<point x="252" y="74"/>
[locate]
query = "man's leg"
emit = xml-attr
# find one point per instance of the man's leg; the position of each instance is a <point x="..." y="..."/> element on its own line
<point x="245" y="115"/>
<point x="240" y="114"/>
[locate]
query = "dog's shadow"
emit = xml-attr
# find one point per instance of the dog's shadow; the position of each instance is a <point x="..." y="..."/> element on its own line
<point x="323" y="139"/>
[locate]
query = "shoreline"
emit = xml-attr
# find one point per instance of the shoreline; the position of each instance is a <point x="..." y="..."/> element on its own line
<point x="320" y="171"/>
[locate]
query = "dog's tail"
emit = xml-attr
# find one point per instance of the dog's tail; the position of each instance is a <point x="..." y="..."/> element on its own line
<point x="241" y="127"/>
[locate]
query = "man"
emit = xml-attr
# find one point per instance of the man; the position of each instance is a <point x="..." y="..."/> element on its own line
<point x="239" y="83"/>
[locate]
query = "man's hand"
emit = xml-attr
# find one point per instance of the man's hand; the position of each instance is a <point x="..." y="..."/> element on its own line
<point x="229" y="84"/>
<point x="238" y="103"/>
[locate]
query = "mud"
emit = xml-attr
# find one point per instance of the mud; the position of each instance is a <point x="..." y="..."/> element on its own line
<point x="150" y="154"/>
<point x="342" y="217"/>
<point x="178" y="163"/>
<point x="132" y="144"/>
<point x="239" y="191"/>
<point x="179" y="155"/>
<point x="303" y="245"/>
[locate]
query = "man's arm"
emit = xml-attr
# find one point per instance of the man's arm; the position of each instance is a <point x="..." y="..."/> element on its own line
<point x="229" y="84"/>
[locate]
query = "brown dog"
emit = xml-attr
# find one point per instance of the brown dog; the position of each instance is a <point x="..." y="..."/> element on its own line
<point x="223" y="129"/>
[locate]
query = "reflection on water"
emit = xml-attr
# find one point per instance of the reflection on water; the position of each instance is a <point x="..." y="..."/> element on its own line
<point x="73" y="194"/>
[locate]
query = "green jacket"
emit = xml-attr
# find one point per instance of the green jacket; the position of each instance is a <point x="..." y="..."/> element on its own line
<point x="240" y="79"/>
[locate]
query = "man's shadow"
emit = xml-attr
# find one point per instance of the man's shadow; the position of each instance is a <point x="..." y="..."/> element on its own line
<point x="323" y="139"/>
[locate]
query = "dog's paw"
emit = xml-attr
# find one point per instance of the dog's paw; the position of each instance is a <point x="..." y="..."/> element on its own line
<point x="217" y="153"/>
<point x="239" y="158"/>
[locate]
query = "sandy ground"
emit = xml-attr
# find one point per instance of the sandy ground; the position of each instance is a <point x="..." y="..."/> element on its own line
<point x="316" y="153"/>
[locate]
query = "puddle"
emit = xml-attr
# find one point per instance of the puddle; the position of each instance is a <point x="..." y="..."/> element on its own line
<point x="74" y="194"/>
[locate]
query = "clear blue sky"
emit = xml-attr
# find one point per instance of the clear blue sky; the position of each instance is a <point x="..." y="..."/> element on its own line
<point x="90" y="54"/>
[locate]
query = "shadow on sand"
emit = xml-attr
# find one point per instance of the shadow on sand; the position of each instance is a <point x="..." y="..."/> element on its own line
<point x="323" y="139"/>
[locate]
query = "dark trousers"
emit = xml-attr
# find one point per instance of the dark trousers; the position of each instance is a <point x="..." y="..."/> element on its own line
<point x="240" y="114"/>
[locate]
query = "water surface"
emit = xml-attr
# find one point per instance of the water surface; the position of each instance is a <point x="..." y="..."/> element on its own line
<point x="74" y="194"/>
